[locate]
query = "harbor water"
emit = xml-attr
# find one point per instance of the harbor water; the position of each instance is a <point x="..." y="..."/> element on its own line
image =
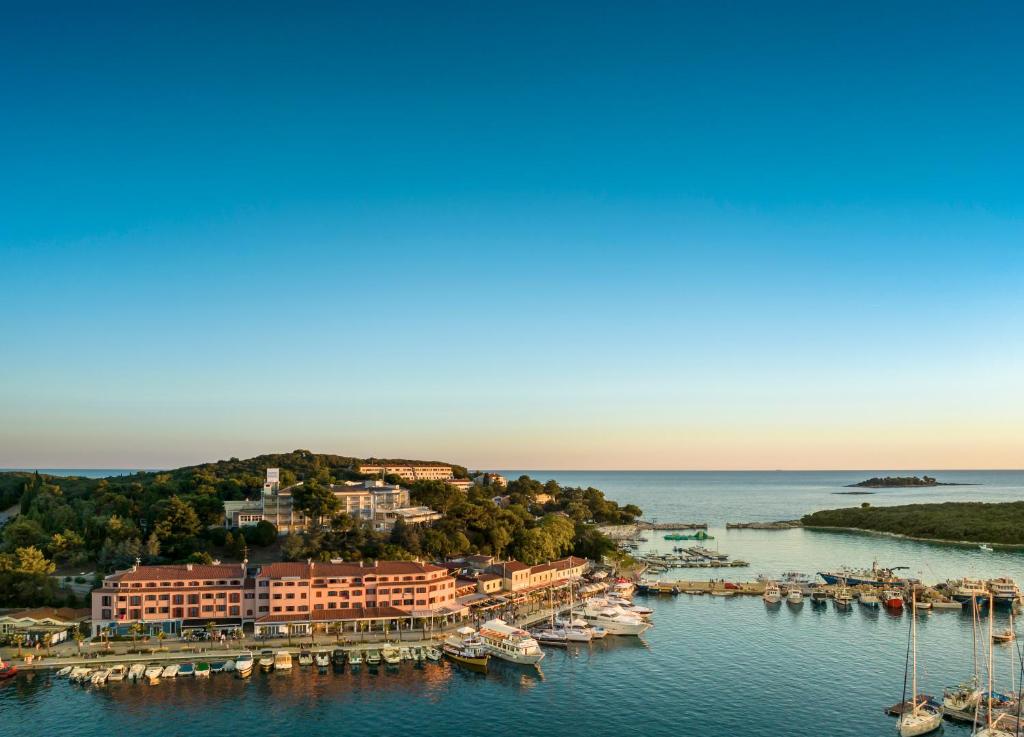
<point x="709" y="665"/>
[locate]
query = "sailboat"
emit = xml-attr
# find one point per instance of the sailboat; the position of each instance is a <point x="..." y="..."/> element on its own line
<point x="922" y="717"/>
<point x="991" y="728"/>
<point x="962" y="701"/>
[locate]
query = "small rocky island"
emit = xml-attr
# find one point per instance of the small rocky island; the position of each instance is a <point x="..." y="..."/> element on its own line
<point x="900" y="482"/>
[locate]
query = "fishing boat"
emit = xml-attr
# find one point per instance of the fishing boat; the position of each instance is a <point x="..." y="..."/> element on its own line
<point x="843" y="598"/>
<point x="772" y="593"/>
<point x="117" y="673"/>
<point x="136" y="672"/>
<point x="795" y="597"/>
<point x="282" y="661"/>
<point x="152" y="674"/>
<point x="892" y="599"/>
<point x="202" y="670"/>
<point x="391" y="655"/>
<point x="373" y="657"/>
<point x="244" y="664"/>
<point x="170" y="671"/>
<point x="870" y="600"/>
<point x="819" y="598"/>
<point x="322" y="659"/>
<point x="267" y="660"/>
<point x="355" y="659"/>
<point x="874" y="576"/>
<point x="305" y="658"/>
<point x="1004" y="591"/>
<point x="923" y="717"/>
<point x="186" y="669"/>
<point x="512" y="643"/>
<point x="468" y="650"/>
<point x="432" y="653"/>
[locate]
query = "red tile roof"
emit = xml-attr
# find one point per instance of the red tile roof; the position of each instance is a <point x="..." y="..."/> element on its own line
<point x="512" y="566"/>
<point x="62" y="614"/>
<point x="183" y="572"/>
<point x="328" y="570"/>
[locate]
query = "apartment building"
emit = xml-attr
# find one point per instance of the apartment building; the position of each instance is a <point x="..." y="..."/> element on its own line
<point x="409" y="473"/>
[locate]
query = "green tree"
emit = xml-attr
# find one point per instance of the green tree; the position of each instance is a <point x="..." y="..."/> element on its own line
<point x="315" y="501"/>
<point x="176" y="528"/>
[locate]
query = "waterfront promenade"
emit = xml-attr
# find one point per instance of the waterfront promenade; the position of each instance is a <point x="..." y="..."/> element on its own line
<point x="98" y="653"/>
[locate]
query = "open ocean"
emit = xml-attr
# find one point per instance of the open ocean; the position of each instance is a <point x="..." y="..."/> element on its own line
<point x="710" y="665"/>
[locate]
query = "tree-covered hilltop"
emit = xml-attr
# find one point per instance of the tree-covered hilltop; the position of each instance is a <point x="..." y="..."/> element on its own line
<point x="897" y="482"/>
<point x="177" y="515"/>
<point x="953" y="521"/>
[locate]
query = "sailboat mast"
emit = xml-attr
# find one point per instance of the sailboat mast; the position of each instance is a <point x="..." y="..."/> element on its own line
<point x="913" y="639"/>
<point x="974" y="629"/>
<point x="988" y="714"/>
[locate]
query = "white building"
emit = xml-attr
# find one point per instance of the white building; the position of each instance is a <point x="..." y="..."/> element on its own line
<point x="409" y="473"/>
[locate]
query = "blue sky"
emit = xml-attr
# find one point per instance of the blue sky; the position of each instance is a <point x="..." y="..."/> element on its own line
<point x="655" y="235"/>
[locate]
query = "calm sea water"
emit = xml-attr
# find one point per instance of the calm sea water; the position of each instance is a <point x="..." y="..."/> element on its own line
<point x="723" y="666"/>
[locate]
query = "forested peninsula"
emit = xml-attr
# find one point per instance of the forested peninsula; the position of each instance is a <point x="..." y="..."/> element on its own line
<point x="1001" y="523"/>
<point x="77" y="523"/>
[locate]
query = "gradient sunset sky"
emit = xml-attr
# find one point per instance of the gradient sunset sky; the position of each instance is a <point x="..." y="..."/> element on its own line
<point x="514" y="235"/>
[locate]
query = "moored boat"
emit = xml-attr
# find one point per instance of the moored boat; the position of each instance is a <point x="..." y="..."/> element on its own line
<point x="322" y="659"/>
<point x="63" y="672"/>
<point x="219" y="666"/>
<point x="338" y="659"/>
<point x="355" y="658"/>
<point x="117" y="672"/>
<point x="373" y="657"/>
<point x="468" y="651"/>
<point x="968" y="589"/>
<point x="923" y="716"/>
<point x="875" y="576"/>
<point x="391" y="655"/>
<point x="244" y="664"/>
<point x="282" y="661"/>
<point x="266" y="660"/>
<point x="136" y="672"/>
<point x="795" y="597"/>
<point x="7" y="670"/>
<point x="432" y="653"/>
<point x="187" y="669"/>
<point x="152" y="673"/>
<point x="819" y="598"/>
<point x="772" y="593"/>
<point x="614" y="620"/>
<point x="512" y="643"/>
<point x="870" y="599"/>
<point x="170" y="671"/>
<point x="843" y="598"/>
<point x="305" y="658"/>
<point x="1004" y="591"/>
<point x="202" y="670"/>
<point x="892" y="599"/>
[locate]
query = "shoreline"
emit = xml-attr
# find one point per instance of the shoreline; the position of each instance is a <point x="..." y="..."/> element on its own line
<point x="901" y="536"/>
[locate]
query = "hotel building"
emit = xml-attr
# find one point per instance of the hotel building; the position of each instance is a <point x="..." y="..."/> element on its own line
<point x="274" y="597"/>
<point x="409" y="473"/>
<point x="372" y="500"/>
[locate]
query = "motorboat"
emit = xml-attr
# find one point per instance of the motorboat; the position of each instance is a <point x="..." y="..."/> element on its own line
<point x="405" y="653"/>
<point x="267" y="660"/>
<point x="282" y="661"/>
<point x="772" y="593"/>
<point x="78" y="674"/>
<point x="219" y="666"/>
<point x="63" y="672"/>
<point x="117" y="673"/>
<point x="373" y="657"/>
<point x="229" y="666"/>
<point x="244" y="665"/>
<point x="99" y="677"/>
<point x="152" y="674"/>
<point x="203" y="670"/>
<point x="986" y="548"/>
<point x="170" y="671"/>
<point x="614" y="620"/>
<point x="322" y="659"/>
<point x="186" y="669"/>
<point x="355" y="658"/>
<point x="391" y="655"/>
<point x="576" y="630"/>
<point x="305" y="657"/>
<point x="418" y="655"/>
<point x="338" y="659"/>
<point x="7" y="670"/>
<point x="514" y="644"/>
<point x="432" y="653"/>
<point x="136" y="672"/>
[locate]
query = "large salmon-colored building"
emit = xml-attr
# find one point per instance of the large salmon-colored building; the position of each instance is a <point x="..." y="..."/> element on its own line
<point x="274" y="596"/>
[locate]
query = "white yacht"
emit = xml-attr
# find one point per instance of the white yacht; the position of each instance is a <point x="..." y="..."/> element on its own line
<point x="576" y="630"/>
<point x="615" y="620"/>
<point x="510" y="643"/>
<point x="243" y="665"/>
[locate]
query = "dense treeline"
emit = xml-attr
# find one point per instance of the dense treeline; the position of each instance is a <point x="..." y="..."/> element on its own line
<point x="177" y="515"/>
<point x="970" y="521"/>
<point x="877" y="482"/>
